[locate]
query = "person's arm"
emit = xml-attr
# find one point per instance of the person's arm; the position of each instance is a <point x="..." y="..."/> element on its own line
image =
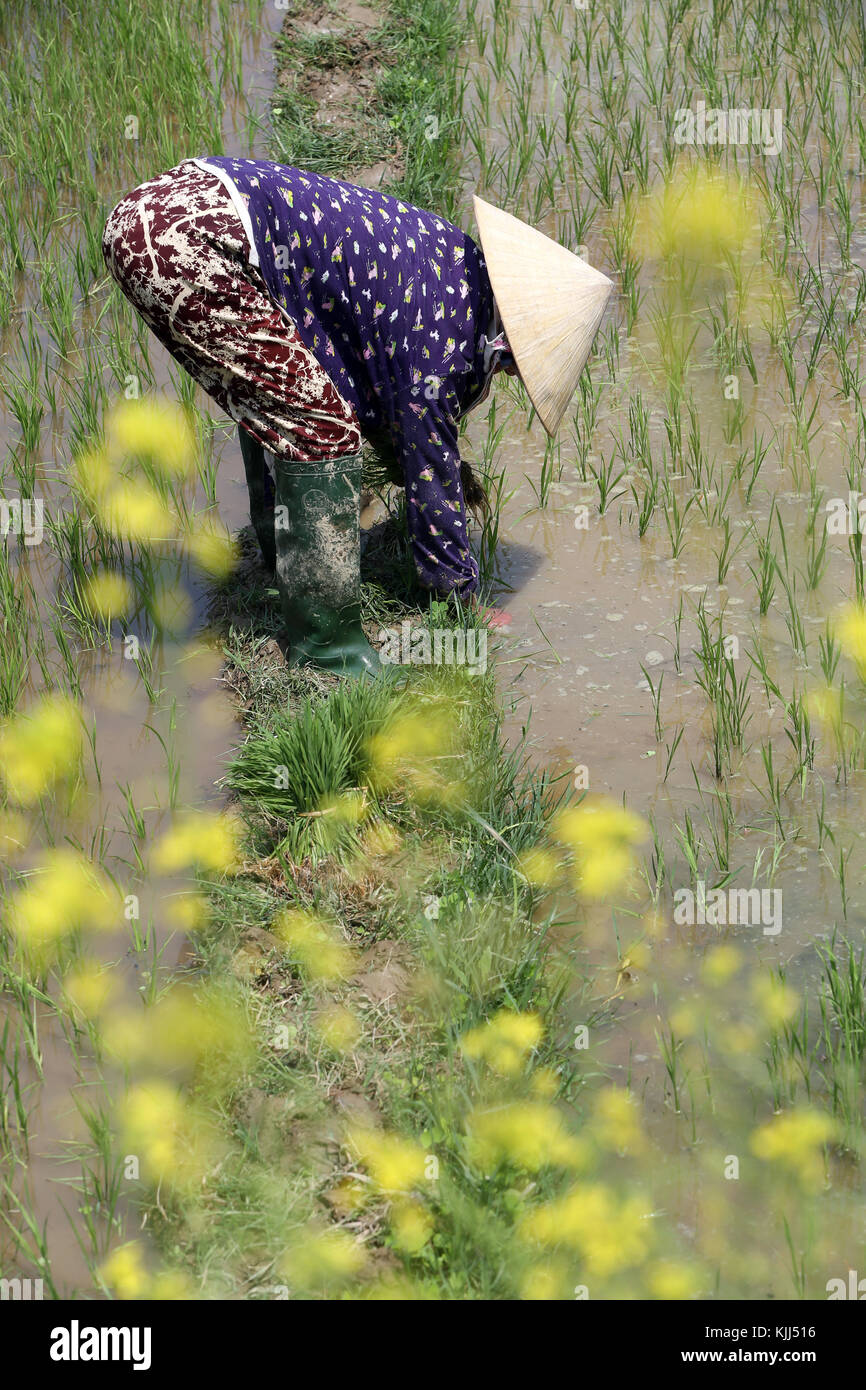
<point x="425" y="439"/>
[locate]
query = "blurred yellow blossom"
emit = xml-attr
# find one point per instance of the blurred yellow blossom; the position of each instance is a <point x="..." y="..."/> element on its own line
<point x="108" y="594"/>
<point x="314" y="944"/>
<point x="777" y="1001"/>
<point x="212" y="546"/>
<point x="173" y="1138"/>
<point x="616" y="1121"/>
<point x="188" y="912"/>
<point x="700" y="216"/>
<point x="132" y="509"/>
<point x="670" y="1281"/>
<point x="170" y="607"/>
<point x="91" y="988"/>
<point x="38" y="747"/>
<point x="546" y="1282"/>
<point x="540" y="867"/>
<point x="338" y="1028"/>
<point x="183" y="1028"/>
<point x="609" y="1234"/>
<point x="65" y="892"/>
<point x="395" y="1164"/>
<point x="381" y="839"/>
<point x="14" y="832"/>
<point x="152" y="428"/>
<point x="720" y="964"/>
<point x="411" y="1226"/>
<point x="505" y="1041"/>
<point x="124" y="1271"/>
<point x="531" y="1134"/>
<point x="602" y="835"/>
<point x="416" y="750"/>
<point x="322" y="1258"/>
<point x="850" y="630"/>
<point x="824" y="705"/>
<point x="207" y="840"/>
<point x="795" y="1139"/>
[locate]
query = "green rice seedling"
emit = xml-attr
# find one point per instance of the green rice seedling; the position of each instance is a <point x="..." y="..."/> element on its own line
<point x="607" y="479"/>
<point x="670" y="1048"/>
<point x="855" y="550"/>
<point x="645" y="504"/>
<point x="774" y="787"/>
<point x="843" y="1034"/>
<point x="675" y="519"/>
<point x="656" y="693"/>
<point x="829" y="653"/>
<point x="670" y="750"/>
<point x="690" y="842"/>
<point x="728" y="695"/>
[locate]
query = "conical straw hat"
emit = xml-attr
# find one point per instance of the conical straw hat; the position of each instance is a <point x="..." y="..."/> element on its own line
<point x="551" y="303"/>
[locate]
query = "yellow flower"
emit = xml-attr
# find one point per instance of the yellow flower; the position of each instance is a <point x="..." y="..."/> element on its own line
<point x="721" y="963"/>
<point x="544" y="1283"/>
<point x="204" y="839"/>
<point x="850" y="630"/>
<point x="669" y="1281"/>
<point x="323" y="1258"/>
<point x="187" y="912"/>
<point x="824" y="705"/>
<point x="155" y="429"/>
<point x="90" y="988"/>
<point x="602" y="834"/>
<point x="545" y="1082"/>
<point x="531" y="1134"/>
<point x="38" y="747"/>
<point x="777" y="1002"/>
<point x="338" y="1029"/>
<point x="411" y="1226"/>
<point x="184" y="1028"/>
<point x="131" y="508"/>
<point x="174" y="1140"/>
<point x="321" y="954"/>
<point x="108" y="594"/>
<point x="699" y="216"/>
<point x="505" y="1041"/>
<point x="608" y="1234"/>
<point x="616" y="1123"/>
<point x="170" y="607"/>
<point x="170" y="1286"/>
<point x="540" y="866"/>
<point x="92" y="474"/>
<point x="413" y="751"/>
<point x="212" y="546"/>
<point x="795" y="1139"/>
<point x="65" y="892"/>
<point x="395" y="1164"/>
<point x="124" y="1271"/>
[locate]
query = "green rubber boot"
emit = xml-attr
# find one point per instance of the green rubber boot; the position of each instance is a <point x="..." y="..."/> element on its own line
<point x="261" y="490"/>
<point x="318" y="568"/>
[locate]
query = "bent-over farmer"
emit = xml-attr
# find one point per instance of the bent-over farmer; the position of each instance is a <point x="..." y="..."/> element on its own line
<point x="317" y="313"/>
